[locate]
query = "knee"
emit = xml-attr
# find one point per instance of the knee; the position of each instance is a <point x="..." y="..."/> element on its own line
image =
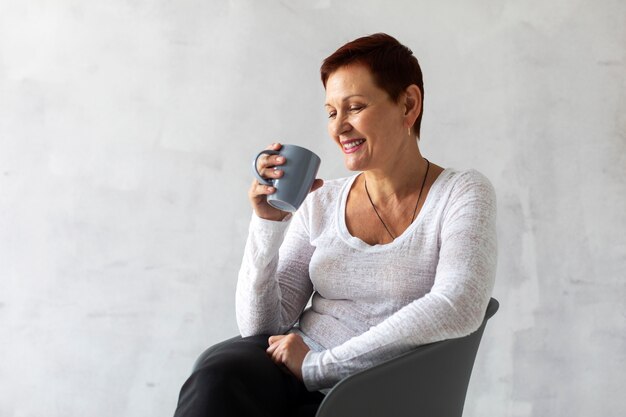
<point x="210" y="387"/>
<point x="210" y="377"/>
<point x="213" y="350"/>
<point x="229" y="362"/>
<point x="222" y="369"/>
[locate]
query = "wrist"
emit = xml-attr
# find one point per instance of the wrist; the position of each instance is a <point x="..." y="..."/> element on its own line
<point x="283" y="216"/>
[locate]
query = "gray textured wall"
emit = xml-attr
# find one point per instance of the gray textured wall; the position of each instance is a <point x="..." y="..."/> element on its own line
<point x="126" y="130"/>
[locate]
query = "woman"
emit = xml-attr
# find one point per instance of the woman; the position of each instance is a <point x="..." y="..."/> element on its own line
<point x="400" y="254"/>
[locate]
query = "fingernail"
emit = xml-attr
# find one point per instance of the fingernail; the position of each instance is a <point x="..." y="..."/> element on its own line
<point x="280" y="159"/>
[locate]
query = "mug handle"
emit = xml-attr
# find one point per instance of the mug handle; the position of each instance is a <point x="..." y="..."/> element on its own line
<point x="258" y="176"/>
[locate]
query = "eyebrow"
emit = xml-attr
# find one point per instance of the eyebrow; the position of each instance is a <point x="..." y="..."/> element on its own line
<point x="345" y="99"/>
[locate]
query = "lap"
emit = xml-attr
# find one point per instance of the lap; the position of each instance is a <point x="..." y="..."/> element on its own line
<point x="242" y="365"/>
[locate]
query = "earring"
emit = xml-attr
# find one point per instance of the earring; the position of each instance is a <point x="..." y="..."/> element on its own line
<point x="408" y="132"/>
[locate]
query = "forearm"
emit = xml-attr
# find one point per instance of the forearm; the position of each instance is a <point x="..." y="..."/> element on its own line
<point x="258" y="296"/>
<point x="273" y="285"/>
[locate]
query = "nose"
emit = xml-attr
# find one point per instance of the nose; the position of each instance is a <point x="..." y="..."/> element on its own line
<point x="339" y="125"/>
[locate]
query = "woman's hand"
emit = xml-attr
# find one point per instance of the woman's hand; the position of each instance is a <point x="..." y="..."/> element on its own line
<point x="268" y="167"/>
<point x="289" y="351"/>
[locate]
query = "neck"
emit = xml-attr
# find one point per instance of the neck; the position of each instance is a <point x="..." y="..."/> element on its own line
<point x="398" y="178"/>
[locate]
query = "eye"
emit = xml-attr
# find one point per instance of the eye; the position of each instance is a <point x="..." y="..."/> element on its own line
<point x="332" y="114"/>
<point x="355" y="108"/>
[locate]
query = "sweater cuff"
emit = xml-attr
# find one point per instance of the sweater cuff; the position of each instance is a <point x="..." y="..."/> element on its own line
<point x="311" y="371"/>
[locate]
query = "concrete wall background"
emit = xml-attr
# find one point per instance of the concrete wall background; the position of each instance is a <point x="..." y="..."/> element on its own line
<point x="126" y="130"/>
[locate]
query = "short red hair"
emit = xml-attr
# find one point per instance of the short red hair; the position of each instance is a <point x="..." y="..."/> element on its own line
<point x="393" y="65"/>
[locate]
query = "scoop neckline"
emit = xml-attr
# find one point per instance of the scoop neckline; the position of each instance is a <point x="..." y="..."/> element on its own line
<point x="358" y="243"/>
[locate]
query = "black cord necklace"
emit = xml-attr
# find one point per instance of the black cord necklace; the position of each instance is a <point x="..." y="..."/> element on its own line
<point x="416" y="203"/>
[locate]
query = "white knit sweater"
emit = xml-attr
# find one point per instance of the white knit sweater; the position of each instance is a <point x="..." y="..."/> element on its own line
<point x="370" y="303"/>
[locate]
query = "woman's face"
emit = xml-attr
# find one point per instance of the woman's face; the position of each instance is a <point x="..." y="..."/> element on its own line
<point x="363" y="120"/>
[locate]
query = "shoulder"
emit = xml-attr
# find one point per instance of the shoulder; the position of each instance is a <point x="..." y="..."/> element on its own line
<point x="467" y="183"/>
<point x="466" y="193"/>
<point x="466" y="177"/>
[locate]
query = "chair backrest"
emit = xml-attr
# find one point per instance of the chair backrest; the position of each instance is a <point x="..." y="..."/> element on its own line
<point x="429" y="381"/>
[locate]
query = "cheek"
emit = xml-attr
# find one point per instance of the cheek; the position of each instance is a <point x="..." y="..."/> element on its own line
<point x="331" y="131"/>
<point x="357" y="120"/>
<point x="365" y="125"/>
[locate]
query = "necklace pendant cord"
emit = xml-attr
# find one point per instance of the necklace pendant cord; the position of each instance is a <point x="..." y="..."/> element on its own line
<point x="416" y="203"/>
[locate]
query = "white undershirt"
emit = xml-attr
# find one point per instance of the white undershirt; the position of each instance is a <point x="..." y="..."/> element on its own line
<point x="370" y="302"/>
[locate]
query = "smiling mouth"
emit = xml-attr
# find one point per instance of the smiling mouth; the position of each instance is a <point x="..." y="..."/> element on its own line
<point x="352" y="146"/>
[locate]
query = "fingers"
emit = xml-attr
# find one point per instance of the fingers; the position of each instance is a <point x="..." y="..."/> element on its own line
<point x="275" y="338"/>
<point x="267" y="164"/>
<point x="275" y="146"/>
<point x="287" y="341"/>
<point x="278" y="345"/>
<point x="276" y="342"/>
<point x="288" y="351"/>
<point x="258" y="190"/>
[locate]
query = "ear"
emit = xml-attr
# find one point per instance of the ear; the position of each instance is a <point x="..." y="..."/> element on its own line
<point x="412" y="103"/>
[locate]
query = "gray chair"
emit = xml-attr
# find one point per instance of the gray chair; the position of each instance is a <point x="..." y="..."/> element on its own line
<point x="429" y="381"/>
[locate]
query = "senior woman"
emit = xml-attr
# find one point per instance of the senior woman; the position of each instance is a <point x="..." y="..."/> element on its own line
<point x="400" y="254"/>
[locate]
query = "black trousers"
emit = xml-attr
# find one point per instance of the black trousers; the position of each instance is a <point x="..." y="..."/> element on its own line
<point x="239" y="379"/>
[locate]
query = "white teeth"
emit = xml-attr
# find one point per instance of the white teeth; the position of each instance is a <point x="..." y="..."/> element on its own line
<point x="353" y="144"/>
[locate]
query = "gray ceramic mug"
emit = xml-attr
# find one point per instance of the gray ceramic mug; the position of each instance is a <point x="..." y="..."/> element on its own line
<point x="299" y="172"/>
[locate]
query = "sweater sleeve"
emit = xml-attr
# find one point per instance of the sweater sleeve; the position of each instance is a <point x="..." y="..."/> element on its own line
<point x="453" y="308"/>
<point x="273" y="285"/>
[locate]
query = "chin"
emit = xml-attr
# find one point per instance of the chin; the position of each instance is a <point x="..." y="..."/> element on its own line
<point x="353" y="166"/>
